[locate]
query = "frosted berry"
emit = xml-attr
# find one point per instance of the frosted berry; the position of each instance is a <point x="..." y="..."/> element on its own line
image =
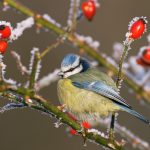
<point x="137" y="27"/>
<point x="5" y="31"/>
<point x="3" y="47"/>
<point x="89" y="9"/>
<point x="86" y="125"/>
<point x="146" y="55"/>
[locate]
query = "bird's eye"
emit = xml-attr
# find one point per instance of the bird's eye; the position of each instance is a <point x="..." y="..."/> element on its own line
<point x="71" y="69"/>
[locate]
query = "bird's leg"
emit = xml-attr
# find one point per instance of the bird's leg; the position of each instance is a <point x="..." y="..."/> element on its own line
<point x="112" y="125"/>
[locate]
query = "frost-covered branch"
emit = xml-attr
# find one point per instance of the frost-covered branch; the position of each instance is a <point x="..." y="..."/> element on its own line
<point x="21" y="67"/>
<point x="38" y="103"/>
<point x="47" y="80"/>
<point x="21" y="26"/>
<point x="34" y="68"/>
<point x="88" y="49"/>
<point x="127" y="134"/>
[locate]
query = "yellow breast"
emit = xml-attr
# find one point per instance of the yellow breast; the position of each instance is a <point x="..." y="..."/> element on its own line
<point x="80" y="101"/>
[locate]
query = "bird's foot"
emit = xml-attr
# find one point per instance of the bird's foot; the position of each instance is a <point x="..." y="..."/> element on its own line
<point x="62" y="107"/>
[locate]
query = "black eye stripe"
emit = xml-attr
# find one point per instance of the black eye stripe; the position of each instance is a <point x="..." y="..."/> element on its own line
<point x="71" y="69"/>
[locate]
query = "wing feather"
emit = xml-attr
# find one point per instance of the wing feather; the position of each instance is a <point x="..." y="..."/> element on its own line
<point x="102" y="89"/>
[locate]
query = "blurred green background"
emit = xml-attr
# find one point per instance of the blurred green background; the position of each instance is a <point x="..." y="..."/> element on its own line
<point x="26" y="129"/>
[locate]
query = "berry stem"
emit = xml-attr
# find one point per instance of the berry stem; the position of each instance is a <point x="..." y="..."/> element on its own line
<point x="118" y="84"/>
<point x="119" y="75"/>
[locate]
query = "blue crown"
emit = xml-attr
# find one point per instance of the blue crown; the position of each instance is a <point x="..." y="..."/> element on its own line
<point x="69" y="60"/>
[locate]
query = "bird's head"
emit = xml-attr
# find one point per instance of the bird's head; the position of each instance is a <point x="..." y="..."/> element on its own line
<point x="73" y="64"/>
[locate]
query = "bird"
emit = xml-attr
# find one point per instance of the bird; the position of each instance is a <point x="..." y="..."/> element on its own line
<point x="88" y="93"/>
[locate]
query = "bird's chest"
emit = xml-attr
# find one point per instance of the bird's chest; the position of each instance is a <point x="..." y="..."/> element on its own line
<point x="68" y="94"/>
<point x="80" y="101"/>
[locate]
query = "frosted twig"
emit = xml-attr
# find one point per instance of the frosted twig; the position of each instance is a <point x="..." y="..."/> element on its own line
<point x="53" y="46"/>
<point x="73" y="15"/>
<point x="50" y="19"/>
<point x="21" y="67"/>
<point x="11" y="106"/>
<point x="47" y="80"/>
<point x="89" y="40"/>
<point x="21" y="26"/>
<point x="34" y="67"/>
<point x="127" y="134"/>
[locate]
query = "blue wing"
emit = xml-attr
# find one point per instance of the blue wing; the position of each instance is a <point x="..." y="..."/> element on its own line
<point x="102" y="89"/>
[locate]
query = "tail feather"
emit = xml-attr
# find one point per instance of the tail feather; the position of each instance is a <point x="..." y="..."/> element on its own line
<point x="136" y="114"/>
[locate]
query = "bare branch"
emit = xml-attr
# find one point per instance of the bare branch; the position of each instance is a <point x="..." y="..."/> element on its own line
<point x="21" y="67"/>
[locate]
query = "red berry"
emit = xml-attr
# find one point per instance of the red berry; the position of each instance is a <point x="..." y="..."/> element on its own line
<point x="3" y="46"/>
<point x="89" y="9"/>
<point x="146" y="55"/>
<point x="141" y="62"/>
<point x="86" y="125"/>
<point x="5" y="31"/>
<point x="138" y="28"/>
<point x="73" y="132"/>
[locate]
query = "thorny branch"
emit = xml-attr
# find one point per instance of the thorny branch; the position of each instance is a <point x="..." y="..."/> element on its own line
<point x="29" y="99"/>
<point x="38" y="103"/>
<point x="88" y="49"/>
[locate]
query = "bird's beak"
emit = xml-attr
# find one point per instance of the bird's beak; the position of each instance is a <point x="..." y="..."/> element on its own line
<point x="61" y="74"/>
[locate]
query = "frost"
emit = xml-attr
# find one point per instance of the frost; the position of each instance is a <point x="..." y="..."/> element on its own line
<point x="50" y="19"/>
<point x="11" y="106"/>
<point x="138" y="70"/>
<point x="58" y="123"/>
<point x="124" y="132"/>
<point x="21" y="26"/>
<point x="33" y="51"/>
<point x="97" y="3"/>
<point x="47" y="80"/>
<point x="70" y="15"/>
<point x="136" y="19"/>
<point x="117" y="51"/>
<point x="21" y="67"/>
<point x="89" y="40"/>
<point x="97" y="132"/>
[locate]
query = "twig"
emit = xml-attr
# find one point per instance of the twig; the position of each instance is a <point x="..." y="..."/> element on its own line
<point x="47" y="80"/>
<point x="119" y="76"/>
<point x="127" y="134"/>
<point x="90" y="51"/>
<point x="74" y="16"/>
<point x="21" y="67"/>
<point x="54" y="45"/>
<point x="34" y="69"/>
<point x="38" y="103"/>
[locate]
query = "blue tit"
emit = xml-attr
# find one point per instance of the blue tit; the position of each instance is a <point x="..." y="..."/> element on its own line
<point x="87" y="93"/>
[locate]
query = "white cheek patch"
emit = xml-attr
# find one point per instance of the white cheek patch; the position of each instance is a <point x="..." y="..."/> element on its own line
<point x="76" y="63"/>
<point x="75" y="71"/>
